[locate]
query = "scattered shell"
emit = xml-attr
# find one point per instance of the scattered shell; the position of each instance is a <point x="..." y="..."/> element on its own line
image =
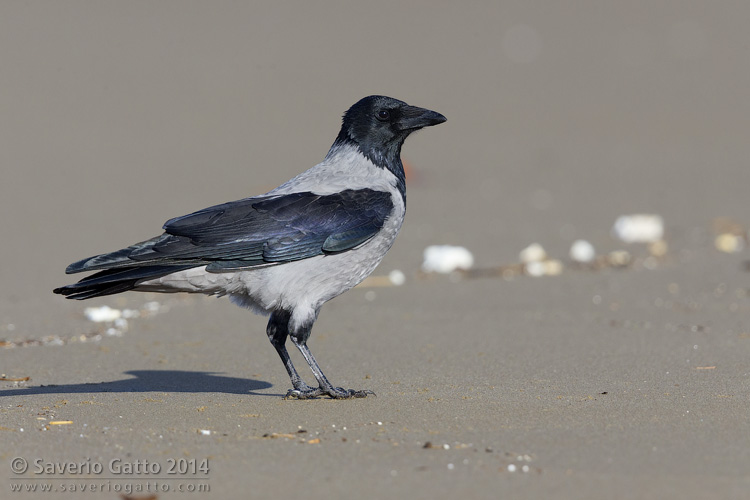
<point x="729" y="243"/>
<point x="204" y="432"/>
<point x="532" y="253"/>
<point x="619" y="258"/>
<point x="639" y="228"/>
<point x="397" y="277"/>
<point x="582" y="251"/>
<point x="102" y="314"/>
<point x="535" y="269"/>
<point x="552" y="267"/>
<point x="446" y="259"/>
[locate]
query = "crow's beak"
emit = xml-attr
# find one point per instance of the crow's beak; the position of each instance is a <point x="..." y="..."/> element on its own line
<point x="413" y="118"/>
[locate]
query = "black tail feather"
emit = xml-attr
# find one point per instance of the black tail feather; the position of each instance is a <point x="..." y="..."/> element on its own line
<point x="112" y="281"/>
<point x="96" y="290"/>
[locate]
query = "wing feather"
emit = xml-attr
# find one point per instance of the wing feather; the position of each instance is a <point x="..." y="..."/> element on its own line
<point x="258" y="231"/>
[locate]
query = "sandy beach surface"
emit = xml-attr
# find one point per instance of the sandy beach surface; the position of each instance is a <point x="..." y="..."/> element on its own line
<point x="606" y="382"/>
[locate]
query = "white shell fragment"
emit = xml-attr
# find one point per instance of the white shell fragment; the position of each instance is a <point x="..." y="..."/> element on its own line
<point x="639" y="228"/>
<point x="729" y="243"/>
<point x="535" y="269"/>
<point x="446" y="259"/>
<point x="102" y="314"/>
<point x="397" y="277"/>
<point x="116" y="320"/>
<point x="582" y="251"/>
<point x="551" y="267"/>
<point x="532" y="253"/>
<point x="619" y="258"/>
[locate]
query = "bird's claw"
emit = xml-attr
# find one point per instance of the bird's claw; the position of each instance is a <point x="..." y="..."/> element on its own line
<point x="303" y="393"/>
<point x="340" y="393"/>
<point x="333" y="393"/>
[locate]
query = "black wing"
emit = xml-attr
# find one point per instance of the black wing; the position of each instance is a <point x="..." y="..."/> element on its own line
<point x="258" y="231"/>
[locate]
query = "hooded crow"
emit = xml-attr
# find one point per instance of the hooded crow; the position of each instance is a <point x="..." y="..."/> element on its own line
<point x="287" y="252"/>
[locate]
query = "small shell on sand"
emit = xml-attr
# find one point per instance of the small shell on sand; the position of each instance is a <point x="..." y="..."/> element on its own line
<point x="582" y="251"/>
<point x="639" y="228"/>
<point x="532" y="253"/>
<point x="551" y="267"/>
<point x="446" y="259"/>
<point x="619" y="258"/>
<point x="729" y="243"/>
<point x="397" y="277"/>
<point x="102" y="314"/>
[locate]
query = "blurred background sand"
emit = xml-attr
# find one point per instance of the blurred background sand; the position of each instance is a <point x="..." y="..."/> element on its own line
<point x="117" y="116"/>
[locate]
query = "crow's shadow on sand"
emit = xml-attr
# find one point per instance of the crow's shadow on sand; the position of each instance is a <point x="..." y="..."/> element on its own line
<point x="154" y="381"/>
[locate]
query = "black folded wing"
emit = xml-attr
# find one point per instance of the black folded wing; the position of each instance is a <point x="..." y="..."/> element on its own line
<point x="258" y="231"/>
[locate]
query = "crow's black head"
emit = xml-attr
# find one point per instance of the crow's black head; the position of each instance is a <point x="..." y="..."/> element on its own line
<point x="379" y="125"/>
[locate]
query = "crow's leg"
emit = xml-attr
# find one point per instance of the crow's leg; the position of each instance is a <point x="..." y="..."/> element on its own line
<point x="299" y="338"/>
<point x="278" y="331"/>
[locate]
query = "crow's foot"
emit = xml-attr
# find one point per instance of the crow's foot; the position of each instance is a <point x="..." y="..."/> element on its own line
<point x="333" y="392"/>
<point x="339" y="393"/>
<point x="308" y="393"/>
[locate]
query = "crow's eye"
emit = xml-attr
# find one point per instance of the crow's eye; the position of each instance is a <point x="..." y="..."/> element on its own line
<point x="383" y="115"/>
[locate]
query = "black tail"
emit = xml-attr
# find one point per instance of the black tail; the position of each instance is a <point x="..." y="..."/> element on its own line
<point x="111" y="281"/>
